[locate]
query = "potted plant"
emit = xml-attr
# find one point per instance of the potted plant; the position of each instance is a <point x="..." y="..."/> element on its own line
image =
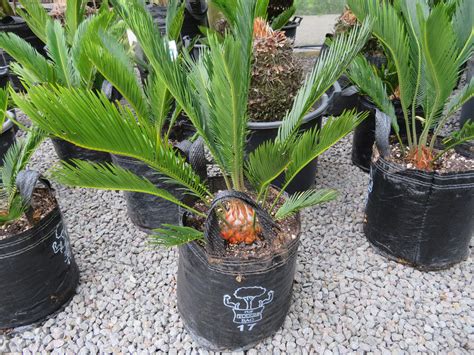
<point x="147" y="211"/>
<point x="239" y="240"/>
<point x="9" y="129"/>
<point x="65" y="63"/>
<point x="11" y="20"/>
<point x="37" y="268"/>
<point x="420" y="203"/>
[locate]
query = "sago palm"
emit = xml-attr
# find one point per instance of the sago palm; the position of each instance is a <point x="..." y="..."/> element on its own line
<point x="428" y="45"/>
<point x="13" y="204"/>
<point x="66" y="64"/>
<point x="213" y="92"/>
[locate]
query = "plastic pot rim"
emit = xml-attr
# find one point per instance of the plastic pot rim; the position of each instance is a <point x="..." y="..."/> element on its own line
<point x="398" y="168"/>
<point x="8" y="124"/>
<point x="309" y="117"/>
<point x="33" y="231"/>
<point x="294" y="23"/>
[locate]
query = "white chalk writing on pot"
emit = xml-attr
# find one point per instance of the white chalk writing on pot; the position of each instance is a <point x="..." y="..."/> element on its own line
<point x="249" y="311"/>
<point x="61" y="244"/>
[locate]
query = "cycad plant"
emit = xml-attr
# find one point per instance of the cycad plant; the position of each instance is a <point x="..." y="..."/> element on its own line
<point x="14" y="205"/>
<point x="66" y="64"/>
<point x="213" y="92"/>
<point x="428" y="45"/>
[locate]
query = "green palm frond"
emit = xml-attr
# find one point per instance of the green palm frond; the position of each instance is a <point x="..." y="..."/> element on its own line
<point x="75" y="14"/>
<point x="304" y="199"/>
<point x="265" y="164"/>
<point x="329" y="67"/>
<point x="170" y="235"/>
<point x="83" y="36"/>
<point x="39" y="67"/>
<point x="283" y="18"/>
<point x="160" y="101"/>
<point x="261" y="7"/>
<point x="113" y="62"/>
<point x="16" y="159"/>
<point x="58" y="51"/>
<point x="462" y="21"/>
<point x="364" y="76"/>
<point x="459" y="99"/>
<point x="441" y="67"/>
<point x="89" y="120"/>
<point x="12" y="211"/>
<point x="174" y="19"/>
<point x="108" y="176"/>
<point x="315" y="142"/>
<point x="35" y="15"/>
<point x="465" y="134"/>
<point x="228" y="95"/>
<point x="390" y="30"/>
<point x="227" y="8"/>
<point x="4" y="98"/>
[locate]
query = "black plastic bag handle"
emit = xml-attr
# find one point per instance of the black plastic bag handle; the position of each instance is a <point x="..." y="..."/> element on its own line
<point x="215" y="243"/>
<point x="383" y="125"/>
<point x="26" y="181"/>
<point x="195" y="155"/>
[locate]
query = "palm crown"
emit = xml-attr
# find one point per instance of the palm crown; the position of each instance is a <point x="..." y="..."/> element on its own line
<point x="213" y="92"/>
<point x="428" y="44"/>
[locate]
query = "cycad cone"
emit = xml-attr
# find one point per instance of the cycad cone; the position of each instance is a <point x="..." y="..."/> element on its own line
<point x="240" y="224"/>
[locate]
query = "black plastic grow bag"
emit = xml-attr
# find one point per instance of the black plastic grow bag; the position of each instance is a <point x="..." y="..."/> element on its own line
<point x="149" y="212"/>
<point x="263" y="131"/>
<point x="67" y="151"/>
<point x="424" y="219"/>
<point x="38" y="273"/>
<point x="4" y="78"/>
<point x="364" y="135"/>
<point x="7" y="137"/>
<point x="195" y="15"/>
<point x="231" y="303"/>
<point x="290" y="28"/>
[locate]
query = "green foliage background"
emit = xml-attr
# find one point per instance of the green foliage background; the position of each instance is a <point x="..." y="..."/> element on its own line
<point x="319" y="7"/>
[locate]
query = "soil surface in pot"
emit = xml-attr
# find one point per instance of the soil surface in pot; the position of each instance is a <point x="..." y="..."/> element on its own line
<point x="451" y="161"/>
<point x="288" y="230"/>
<point x="43" y="202"/>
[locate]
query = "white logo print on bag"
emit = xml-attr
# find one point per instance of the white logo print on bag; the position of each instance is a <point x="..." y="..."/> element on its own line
<point x="61" y="244"/>
<point x="250" y="311"/>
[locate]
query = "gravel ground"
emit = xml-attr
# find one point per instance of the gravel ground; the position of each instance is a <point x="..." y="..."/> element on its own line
<point x="346" y="297"/>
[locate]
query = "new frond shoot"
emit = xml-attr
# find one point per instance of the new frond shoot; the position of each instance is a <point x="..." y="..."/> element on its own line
<point x="429" y="44"/>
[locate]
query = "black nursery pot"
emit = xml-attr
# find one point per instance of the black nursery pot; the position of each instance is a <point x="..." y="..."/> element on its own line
<point x="67" y="151"/>
<point x="146" y="211"/>
<point x="195" y="15"/>
<point x="290" y="28"/>
<point x="38" y="273"/>
<point x="364" y="135"/>
<point x="264" y="131"/>
<point x="7" y="137"/>
<point x="149" y="212"/>
<point x="424" y="219"/>
<point x="232" y="304"/>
